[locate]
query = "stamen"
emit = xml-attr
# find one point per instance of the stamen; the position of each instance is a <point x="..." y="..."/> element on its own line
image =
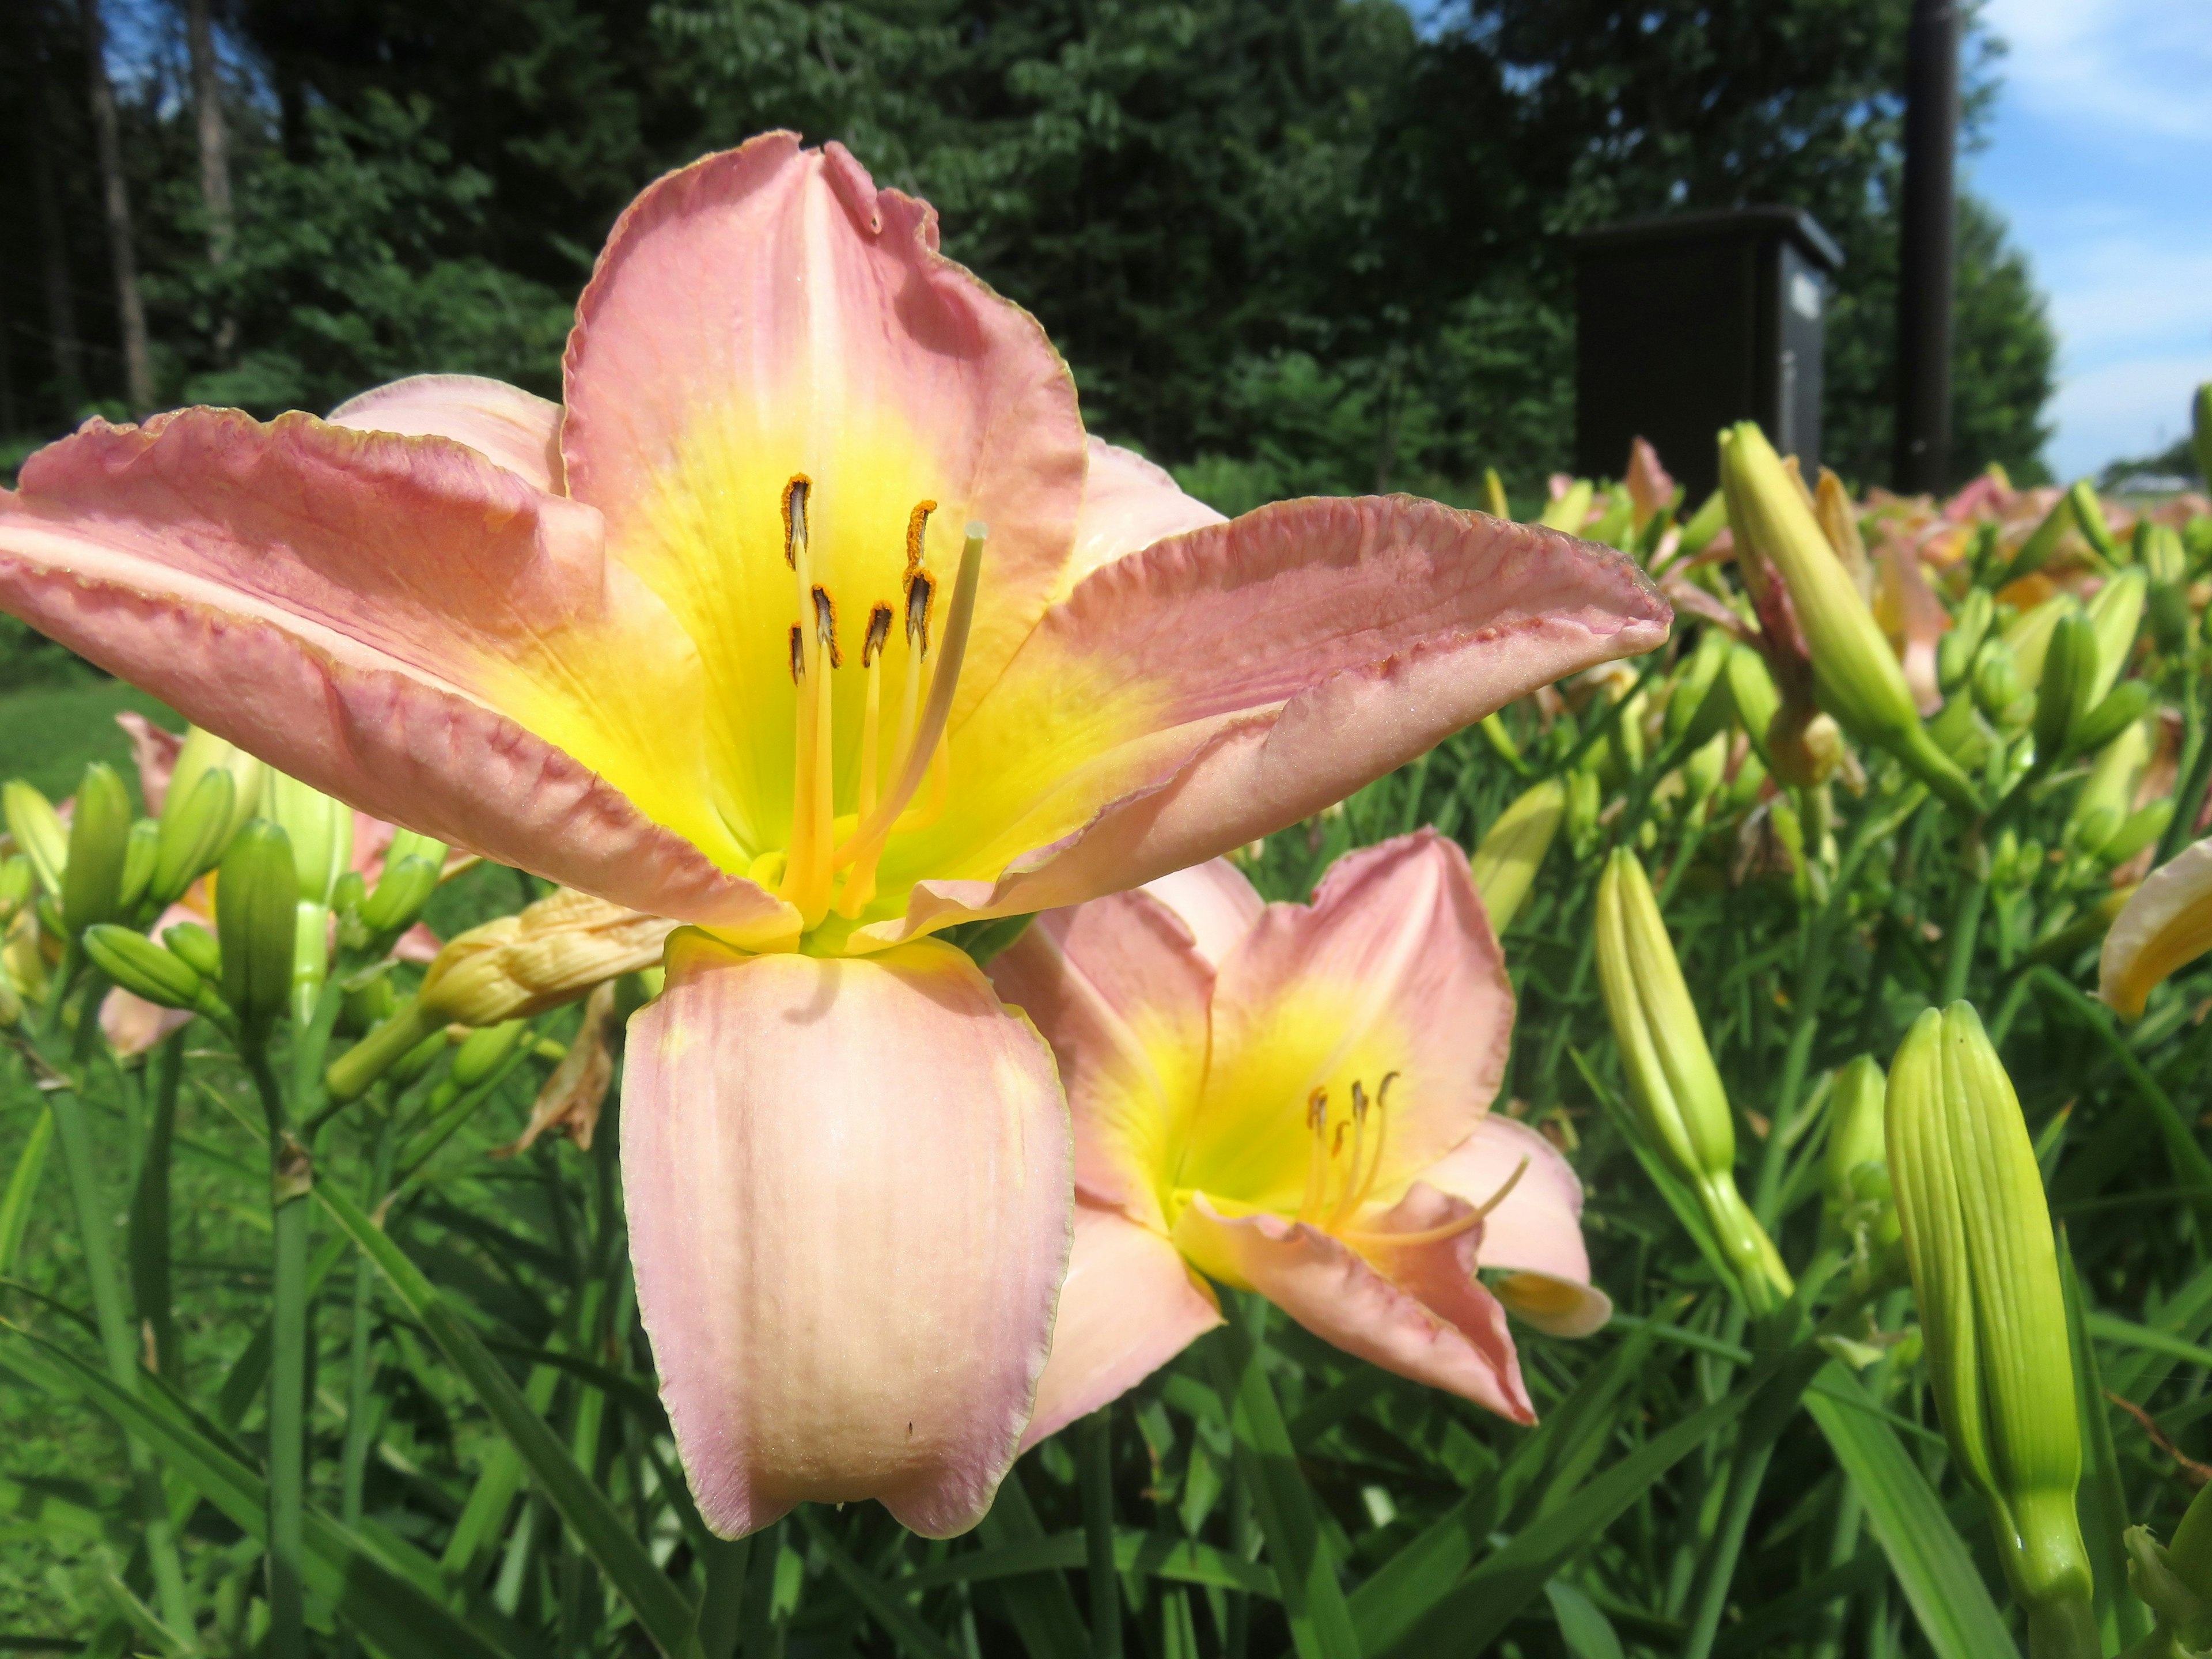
<point x="1316" y="1156"/>
<point x="871" y="660"/>
<point x="878" y="635"/>
<point x="868" y="837"/>
<point x="1350" y="1196"/>
<point x="794" y="518"/>
<point x="1382" y="1139"/>
<point x="917" y="528"/>
<point x="825" y="626"/>
<point x="813" y="805"/>
<point x="798" y="654"/>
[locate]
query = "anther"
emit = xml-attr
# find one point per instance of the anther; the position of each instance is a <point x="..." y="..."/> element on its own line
<point x="878" y="635"/>
<point x="798" y="654"/>
<point x="825" y="626"/>
<point x="794" y="517"/>
<point x="917" y="527"/>
<point x="920" y="588"/>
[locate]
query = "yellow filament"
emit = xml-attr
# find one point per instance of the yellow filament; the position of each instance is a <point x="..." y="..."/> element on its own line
<point x="1382" y="1139"/>
<point x="1316" y="1156"/>
<point x="1350" y="1196"/>
<point x="806" y="875"/>
<point x="871" y="719"/>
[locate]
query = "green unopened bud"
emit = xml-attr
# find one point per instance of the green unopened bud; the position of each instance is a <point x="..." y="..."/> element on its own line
<point x="481" y="1051"/>
<point x="2167" y="612"/>
<point x="2063" y="697"/>
<point x="2111" y="782"/>
<point x="38" y="833"/>
<point x="1694" y="712"/>
<point x="368" y="1003"/>
<point x="1959" y="732"/>
<point x="1505" y="865"/>
<point x="203" y="752"/>
<point x="2129" y="702"/>
<point x="2115" y="613"/>
<point x="1858" y="676"/>
<point x="256" y="902"/>
<point x="1751" y="695"/>
<point x="2139" y="830"/>
<point x="1678" y="1093"/>
<point x="138" y="854"/>
<point x="99" y="844"/>
<point x="2089" y="519"/>
<point x="2043" y="541"/>
<point x="1567" y="512"/>
<point x="2088" y="832"/>
<point x="1707" y="522"/>
<point x="11" y="1001"/>
<point x="1585" y="800"/>
<point x="2029" y="636"/>
<point x="196" y="947"/>
<point x="1707" y="769"/>
<point x="17" y="881"/>
<point x="1999" y="691"/>
<point x="320" y="831"/>
<point x="2175" y="1581"/>
<point x="1858" y="1202"/>
<point x="196" y="827"/>
<point x="1978" y="1241"/>
<point x="1501" y="740"/>
<point x="2164" y="559"/>
<point x="401" y="892"/>
<point x="1956" y="652"/>
<point x="141" y="967"/>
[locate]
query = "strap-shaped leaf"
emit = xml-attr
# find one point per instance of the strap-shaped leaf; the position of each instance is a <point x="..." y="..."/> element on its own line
<point x="1037" y="1601"/>
<point x="1933" y="1565"/>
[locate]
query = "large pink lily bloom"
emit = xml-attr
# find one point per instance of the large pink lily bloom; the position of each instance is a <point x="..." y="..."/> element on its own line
<point x="812" y="619"/>
<point x="1293" y="1099"/>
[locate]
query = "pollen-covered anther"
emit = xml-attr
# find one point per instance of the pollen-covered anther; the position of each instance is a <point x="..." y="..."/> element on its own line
<point x="920" y="589"/>
<point x="877" y="636"/>
<point x="825" y="626"/>
<point x="798" y="654"/>
<point x="794" y="517"/>
<point x="917" y="528"/>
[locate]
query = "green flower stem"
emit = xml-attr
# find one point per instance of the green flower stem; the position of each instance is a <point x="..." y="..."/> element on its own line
<point x="117" y="1343"/>
<point x="289" y="1183"/>
<point x="2194" y="772"/>
<point x="1964" y="933"/>
<point x="360" y="1360"/>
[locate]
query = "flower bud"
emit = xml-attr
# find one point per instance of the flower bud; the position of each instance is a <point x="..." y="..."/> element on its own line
<point x="196" y="947"/>
<point x="1706" y="769"/>
<point x="2113" y="780"/>
<point x="203" y="752"/>
<point x="1680" y="1102"/>
<point x="2175" y="1581"/>
<point x="481" y="1051"/>
<point x="1858" y="1201"/>
<point x="257" y="900"/>
<point x="1707" y="522"/>
<point x="1955" y="651"/>
<point x="99" y="841"/>
<point x="141" y="967"/>
<point x="2167" y="610"/>
<point x="1585" y="800"/>
<point x="1985" y="1270"/>
<point x="1858" y="676"/>
<point x="2062" y="698"/>
<point x="1694" y="712"/>
<point x="138" y="854"/>
<point x="2164" y="925"/>
<point x="1567" y="510"/>
<point x="2029" y="636"/>
<point x="2163" y="558"/>
<point x="2128" y="703"/>
<point x="1804" y="746"/>
<point x="2115" y="613"/>
<point x="1999" y="691"/>
<point x="1752" y="694"/>
<point x="196" y="826"/>
<point x="320" y="831"/>
<point x="401" y="891"/>
<point x="1505" y="863"/>
<point x="1959" y="732"/>
<point x="11" y="1000"/>
<point x="2200" y="435"/>
<point x="2042" y="542"/>
<point x="15" y="883"/>
<point x="40" y="836"/>
<point x="2139" y="830"/>
<point x="2089" y="519"/>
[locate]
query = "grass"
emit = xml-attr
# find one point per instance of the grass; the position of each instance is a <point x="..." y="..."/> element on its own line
<point x="49" y="734"/>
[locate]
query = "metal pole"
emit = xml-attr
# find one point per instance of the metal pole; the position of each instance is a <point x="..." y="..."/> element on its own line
<point x="1924" y="262"/>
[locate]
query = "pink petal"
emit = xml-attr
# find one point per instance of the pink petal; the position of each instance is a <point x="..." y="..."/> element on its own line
<point x="1909" y="604"/>
<point x="508" y="426"/>
<point x="1393" y="967"/>
<point x="352" y="608"/>
<point x="1214" y="901"/>
<point x="418" y="944"/>
<point x="153" y="749"/>
<point x="1536" y="1231"/>
<point x="1128" y="503"/>
<point x="1417" y="1311"/>
<point x="847" y="1182"/>
<point x="1261" y="670"/>
<point x="1129" y="1306"/>
<point x="775" y="290"/>
<point x="133" y="1025"/>
<point x="1121" y="992"/>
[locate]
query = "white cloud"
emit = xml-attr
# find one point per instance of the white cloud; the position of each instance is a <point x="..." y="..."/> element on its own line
<point x="2135" y="67"/>
<point x="2127" y="408"/>
<point x="2121" y="294"/>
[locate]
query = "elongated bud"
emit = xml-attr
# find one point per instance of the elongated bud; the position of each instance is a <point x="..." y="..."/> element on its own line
<point x="2089" y="519"/>
<point x="1567" y="512"/>
<point x="2163" y="558"/>
<point x="99" y="845"/>
<point x="1693" y="713"/>
<point x="1707" y="769"/>
<point x="2200" y="438"/>
<point x="138" y="854"/>
<point x="1858" y="1202"/>
<point x="11" y="1000"/>
<point x="1493" y="495"/>
<point x="2043" y="541"/>
<point x="2029" y="636"/>
<point x="1858" y="676"/>
<point x="402" y="891"/>
<point x="1505" y="865"/>
<point x="1985" y="1270"/>
<point x="2175" y="1580"/>
<point x="2139" y="830"/>
<point x="257" y="900"/>
<point x="141" y="967"/>
<point x="1585" y="800"/>
<point x="2128" y="701"/>
<point x="1956" y="651"/>
<point x="1999" y="691"/>
<point x="40" y="836"/>
<point x="553" y="953"/>
<point x="195" y="948"/>
<point x="2109" y="789"/>
<point x="203" y="752"/>
<point x="2115" y="614"/>
<point x="2068" y="668"/>
<point x="1751" y="695"/>
<point x="481" y="1051"/>
<point x="196" y="826"/>
<point x="320" y="831"/>
<point x="1670" y="1072"/>
<point x="17" y="881"/>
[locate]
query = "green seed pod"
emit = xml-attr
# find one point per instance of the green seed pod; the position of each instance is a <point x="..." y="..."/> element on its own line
<point x="2089" y="519"/>
<point x="2115" y="613"/>
<point x="2062" y="699"/>
<point x="196" y="947"/>
<point x="257" y="902"/>
<point x="98" y="843"/>
<point x="1504" y="864"/>
<point x="1978" y="1241"/>
<point x="138" y="861"/>
<point x="196" y="826"/>
<point x="1955" y="653"/>
<point x="481" y="1051"/>
<point x="1677" y="1090"/>
<point x="141" y="967"/>
<point x="38" y="832"/>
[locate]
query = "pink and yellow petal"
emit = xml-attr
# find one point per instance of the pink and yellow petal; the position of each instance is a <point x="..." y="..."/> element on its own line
<point x="767" y="313"/>
<point x="2166" y="925"/>
<point x="1462" y="1346"/>
<point x="1121" y="992"/>
<point x="848" y="1188"/>
<point x="1127" y="1307"/>
<point x="1391" y="973"/>
<point x="1224" y="683"/>
<point x="1535" y="1233"/>
<point x="1128" y="503"/>
<point x="1214" y="901"/>
<point x="508" y="426"/>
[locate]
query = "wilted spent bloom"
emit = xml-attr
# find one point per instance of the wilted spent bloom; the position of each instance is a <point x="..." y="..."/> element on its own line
<point x="1504" y="864"/>
<point x="1986" y="1270"/>
<point x="2165" y="926"/>
<point x="1677" y="1090"/>
<point x="1858" y="676"/>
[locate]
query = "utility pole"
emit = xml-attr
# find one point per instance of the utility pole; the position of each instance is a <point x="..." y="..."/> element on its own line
<point x="1924" y="273"/>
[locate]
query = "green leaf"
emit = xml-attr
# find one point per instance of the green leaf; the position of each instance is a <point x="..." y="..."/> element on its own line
<point x="1932" y="1563"/>
<point x="1153" y="1554"/>
<point x="23" y="1187"/>
<point x="661" y="1608"/>
<point x="1038" y="1602"/>
<point x="883" y="1603"/>
<point x="1586" y="1632"/>
<point x="1305" y="1566"/>
<point x="2104" y="1499"/>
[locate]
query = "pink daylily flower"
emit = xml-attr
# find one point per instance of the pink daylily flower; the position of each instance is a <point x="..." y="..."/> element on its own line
<point x="1293" y="1099"/>
<point x="812" y="619"/>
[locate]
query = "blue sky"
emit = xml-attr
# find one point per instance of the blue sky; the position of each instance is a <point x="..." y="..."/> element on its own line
<point x="2100" y="156"/>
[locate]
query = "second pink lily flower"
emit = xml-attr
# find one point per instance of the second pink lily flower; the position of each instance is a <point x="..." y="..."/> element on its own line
<point x="1293" y="1099"/>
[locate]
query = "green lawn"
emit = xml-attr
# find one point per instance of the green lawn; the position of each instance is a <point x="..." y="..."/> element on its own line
<point x="49" y="733"/>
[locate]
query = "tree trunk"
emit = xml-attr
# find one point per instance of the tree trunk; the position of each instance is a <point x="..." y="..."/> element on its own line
<point x="54" y="261"/>
<point x="214" y="156"/>
<point x="115" y="199"/>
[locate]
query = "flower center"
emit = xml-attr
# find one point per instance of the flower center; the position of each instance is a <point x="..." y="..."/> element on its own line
<point x="1339" y="1180"/>
<point x="920" y="752"/>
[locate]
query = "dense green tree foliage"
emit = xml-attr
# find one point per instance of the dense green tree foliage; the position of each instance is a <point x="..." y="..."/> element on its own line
<point x="1288" y="245"/>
